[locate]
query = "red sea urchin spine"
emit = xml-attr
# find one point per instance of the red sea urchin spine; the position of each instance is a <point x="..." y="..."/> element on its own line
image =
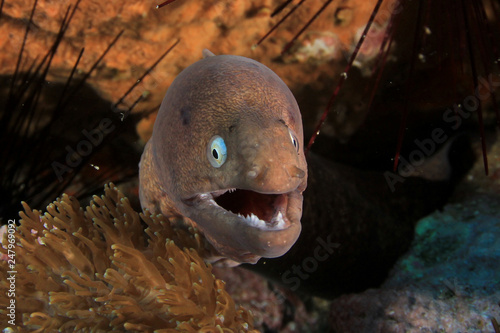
<point x="280" y="8"/>
<point x="164" y="4"/>
<point x="276" y="11"/>
<point x="139" y="80"/>
<point x="409" y="83"/>
<point x="315" y="16"/>
<point x="475" y="82"/>
<point x="343" y="76"/>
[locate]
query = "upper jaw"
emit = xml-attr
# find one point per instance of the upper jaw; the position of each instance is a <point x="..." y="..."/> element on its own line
<point x="245" y="225"/>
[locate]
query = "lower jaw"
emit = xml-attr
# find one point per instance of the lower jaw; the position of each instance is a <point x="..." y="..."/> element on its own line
<point x="234" y="238"/>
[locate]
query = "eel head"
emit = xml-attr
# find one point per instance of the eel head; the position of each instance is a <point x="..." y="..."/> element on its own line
<point x="227" y="153"/>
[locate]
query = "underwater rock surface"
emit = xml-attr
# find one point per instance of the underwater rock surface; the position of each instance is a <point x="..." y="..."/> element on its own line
<point x="450" y="279"/>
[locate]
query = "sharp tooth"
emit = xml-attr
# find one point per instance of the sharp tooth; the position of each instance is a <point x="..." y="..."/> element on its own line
<point x="280" y="222"/>
<point x="254" y="221"/>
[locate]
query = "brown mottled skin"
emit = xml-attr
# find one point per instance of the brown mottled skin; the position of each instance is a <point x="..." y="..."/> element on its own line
<point x="228" y="96"/>
<point x="354" y="226"/>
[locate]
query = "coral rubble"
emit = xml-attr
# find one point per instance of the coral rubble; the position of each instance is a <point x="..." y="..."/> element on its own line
<point x="98" y="270"/>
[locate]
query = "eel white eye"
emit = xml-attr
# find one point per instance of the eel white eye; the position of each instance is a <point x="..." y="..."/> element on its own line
<point x="294" y="139"/>
<point x="216" y="151"/>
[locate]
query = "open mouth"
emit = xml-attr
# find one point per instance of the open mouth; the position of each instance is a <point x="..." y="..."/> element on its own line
<point x="263" y="211"/>
<point x="245" y="225"/>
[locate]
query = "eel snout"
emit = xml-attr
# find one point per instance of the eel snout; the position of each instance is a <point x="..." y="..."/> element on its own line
<point x="273" y="163"/>
<point x="275" y="179"/>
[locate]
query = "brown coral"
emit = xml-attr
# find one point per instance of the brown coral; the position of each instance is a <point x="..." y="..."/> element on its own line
<point x="98" y="270"/>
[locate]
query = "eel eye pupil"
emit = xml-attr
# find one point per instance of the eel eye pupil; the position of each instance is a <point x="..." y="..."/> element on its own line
<point x="216" y="151"/>
<point x="295" y="142"/>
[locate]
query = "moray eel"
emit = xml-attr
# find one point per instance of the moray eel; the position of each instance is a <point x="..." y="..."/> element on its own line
<point x="227" y="153"/>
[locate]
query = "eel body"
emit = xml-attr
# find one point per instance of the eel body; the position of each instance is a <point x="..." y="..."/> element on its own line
<point x="227" y="154"/>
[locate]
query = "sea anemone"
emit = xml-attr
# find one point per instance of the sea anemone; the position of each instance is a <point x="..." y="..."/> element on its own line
<point x="98" y="269"/>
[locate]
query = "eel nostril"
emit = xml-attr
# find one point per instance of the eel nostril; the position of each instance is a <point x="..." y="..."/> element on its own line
<point x="254" y="172"/>
<point x="295" y="172"/>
